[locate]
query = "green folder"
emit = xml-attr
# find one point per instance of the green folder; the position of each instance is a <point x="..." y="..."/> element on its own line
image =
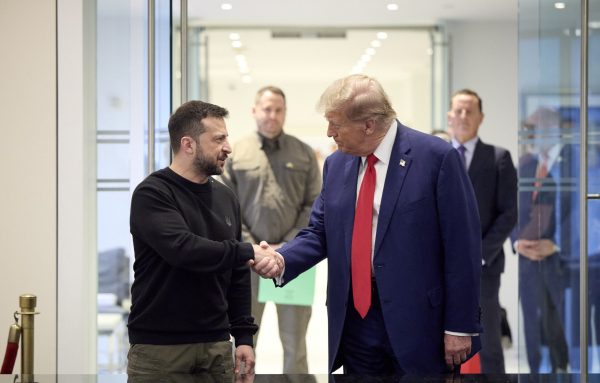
<point x="300" y="291"/>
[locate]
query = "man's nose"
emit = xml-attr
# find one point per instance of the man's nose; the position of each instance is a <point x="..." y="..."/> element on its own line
<point x="330" y="131"/>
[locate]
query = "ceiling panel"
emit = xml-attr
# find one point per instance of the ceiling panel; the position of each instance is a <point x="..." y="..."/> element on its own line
<point x="348" y="12"/>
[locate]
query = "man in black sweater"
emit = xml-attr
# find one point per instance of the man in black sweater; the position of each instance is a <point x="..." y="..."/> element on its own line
<point x="191" y="289"/>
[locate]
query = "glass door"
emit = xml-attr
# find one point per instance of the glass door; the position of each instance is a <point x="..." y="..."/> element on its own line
<point x="122" y="150"/>
<point x="548" y="235"/>
<point x="593" y="188"/>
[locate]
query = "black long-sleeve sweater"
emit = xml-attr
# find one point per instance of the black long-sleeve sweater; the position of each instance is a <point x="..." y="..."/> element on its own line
<point x="191" y="283"/>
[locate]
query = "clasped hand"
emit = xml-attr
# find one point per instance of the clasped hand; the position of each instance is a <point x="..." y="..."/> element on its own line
<point x="536" y="250"/>
<point x="267" y="262"/>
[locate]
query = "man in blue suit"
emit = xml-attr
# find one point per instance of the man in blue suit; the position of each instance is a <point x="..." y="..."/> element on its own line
<point x="417" y="310"/>
<point x="544" y="239"/>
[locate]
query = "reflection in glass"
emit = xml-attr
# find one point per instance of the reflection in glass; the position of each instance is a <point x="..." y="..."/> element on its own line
<point x="547" y="234"/>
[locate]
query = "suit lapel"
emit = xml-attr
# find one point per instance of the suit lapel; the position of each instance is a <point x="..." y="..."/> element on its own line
<point x="348" y="197"/>
<point x="398" y="167"/>
<point x="476" y="163"/>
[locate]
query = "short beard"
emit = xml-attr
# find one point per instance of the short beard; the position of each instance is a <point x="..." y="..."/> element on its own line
<point x="204" y="166"/>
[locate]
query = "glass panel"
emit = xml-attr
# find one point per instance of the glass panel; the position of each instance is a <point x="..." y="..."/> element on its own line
<point x="547" y="234"/>
<point x="594" y="186"/>
<point x="163" y="80"/>
<point x="122" y="152"/>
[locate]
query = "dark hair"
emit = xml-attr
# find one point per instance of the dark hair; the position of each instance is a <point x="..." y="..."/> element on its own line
<point x="268" y="88"/>
<point x="187" y="120"/>
<point x="468" y="92"/>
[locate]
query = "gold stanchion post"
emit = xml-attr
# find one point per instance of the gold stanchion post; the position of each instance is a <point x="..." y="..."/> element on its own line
<point x="27" y="303"/>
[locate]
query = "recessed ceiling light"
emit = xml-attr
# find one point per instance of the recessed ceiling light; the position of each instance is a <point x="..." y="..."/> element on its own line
<point x="594" y="24"/>
<point x="236" y="44"/>
<point x="376" y="43"/>
<point x="370" y="51"/>
<point x="559" y="5"/>
<point x="382" y="35"/>
<point x="365" y="58"/>
<point x="234" y="36"/>
<point x="392" y="7"/>
<point x="226" y="6"/>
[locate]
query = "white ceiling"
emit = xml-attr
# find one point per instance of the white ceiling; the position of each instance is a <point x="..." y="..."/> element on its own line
<point x="303" y="67"/>
<point x="348" y="12"/>
<point x="403" y="52"/>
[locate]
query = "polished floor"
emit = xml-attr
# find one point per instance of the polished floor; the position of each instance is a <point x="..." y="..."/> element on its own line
<point x="113" y="345"/>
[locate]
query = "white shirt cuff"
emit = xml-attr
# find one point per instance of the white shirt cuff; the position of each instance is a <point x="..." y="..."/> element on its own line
<point x="460" y="333"/>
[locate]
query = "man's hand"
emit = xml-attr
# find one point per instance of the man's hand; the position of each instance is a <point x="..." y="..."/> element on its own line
<point x="267" y="262"/>
<point x="244" y="360"/>
<point x="536" y="250"/>
<point x="456" y="349"/>
<point x="244" y="378"/>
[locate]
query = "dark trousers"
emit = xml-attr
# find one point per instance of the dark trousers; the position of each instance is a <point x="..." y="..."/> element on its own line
<point x="542" y="292"/>
<point x="491" y="354"/>
<point x="365" y="348"/>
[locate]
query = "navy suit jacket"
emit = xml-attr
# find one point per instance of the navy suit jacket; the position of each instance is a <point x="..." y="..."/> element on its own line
<point x="494" y="180"/>
<point x="559" y="193"/>
<point x="427" y="259"/>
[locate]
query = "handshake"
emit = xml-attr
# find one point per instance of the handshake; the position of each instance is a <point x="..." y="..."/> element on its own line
<point x="267" y="262"/>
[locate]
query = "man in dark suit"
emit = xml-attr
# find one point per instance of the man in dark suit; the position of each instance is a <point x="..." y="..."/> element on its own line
<point x="494" y="180"/>
<point x="397" y="222"/>
<point x="544" y="238"/>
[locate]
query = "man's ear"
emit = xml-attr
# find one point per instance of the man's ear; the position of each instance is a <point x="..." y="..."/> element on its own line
<point x="369" y="127"/>
<point x="187" y="144"/>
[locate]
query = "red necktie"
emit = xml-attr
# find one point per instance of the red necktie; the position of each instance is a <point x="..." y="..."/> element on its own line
<point x="362" y="240"/>
<point x="540" y="174"/>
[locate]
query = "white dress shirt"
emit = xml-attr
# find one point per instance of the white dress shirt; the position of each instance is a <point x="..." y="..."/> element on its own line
<point x="383" y="153"/>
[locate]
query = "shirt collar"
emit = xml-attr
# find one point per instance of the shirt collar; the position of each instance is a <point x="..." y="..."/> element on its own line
<point x="383" y="152"/>
<point x="270" y="143"/>
<point x="469" y="145"/>
<point x="552" y="155"/>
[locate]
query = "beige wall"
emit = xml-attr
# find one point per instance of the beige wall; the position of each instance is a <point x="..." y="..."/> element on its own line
<point x="28" y="154"/>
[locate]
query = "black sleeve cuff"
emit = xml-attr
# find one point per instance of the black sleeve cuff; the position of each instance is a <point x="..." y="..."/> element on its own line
<point x="242" y="331"/>
<point x="245" y="252"/>
<point x="245" y="340"/>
